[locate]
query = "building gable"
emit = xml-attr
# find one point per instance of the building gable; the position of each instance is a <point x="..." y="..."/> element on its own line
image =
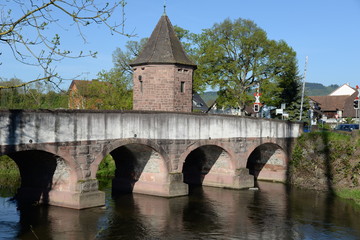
<point x="345" y="89"/>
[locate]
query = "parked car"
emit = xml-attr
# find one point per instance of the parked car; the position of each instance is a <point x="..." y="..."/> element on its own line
<point x="347" y="127"/>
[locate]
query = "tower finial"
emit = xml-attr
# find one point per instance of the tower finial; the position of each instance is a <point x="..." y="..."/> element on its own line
<point x="164" y="8"/>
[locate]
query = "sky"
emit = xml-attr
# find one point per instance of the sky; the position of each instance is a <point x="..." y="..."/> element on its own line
<point x="325" y="31"/>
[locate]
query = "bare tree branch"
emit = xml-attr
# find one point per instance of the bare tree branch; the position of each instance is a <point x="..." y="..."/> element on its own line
<point x="24" y="29"/>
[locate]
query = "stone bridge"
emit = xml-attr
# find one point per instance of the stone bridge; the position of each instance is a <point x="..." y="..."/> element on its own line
<point x="158" y="153"/>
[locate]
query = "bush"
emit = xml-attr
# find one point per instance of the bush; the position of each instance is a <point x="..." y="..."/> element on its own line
<point x="107" y="167"/>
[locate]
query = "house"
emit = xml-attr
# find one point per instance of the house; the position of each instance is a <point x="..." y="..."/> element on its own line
<point x="336" y="106"/>
<point x="344" y="90"/>
<point x="199" y="104"/>
<point x="85" y="94"/>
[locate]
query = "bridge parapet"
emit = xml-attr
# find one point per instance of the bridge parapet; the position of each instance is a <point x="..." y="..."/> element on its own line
<point x="24" y="126"/>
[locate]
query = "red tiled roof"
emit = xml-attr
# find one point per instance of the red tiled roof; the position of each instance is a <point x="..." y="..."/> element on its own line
<point x="330" y="103"/>
<point x="334" y="103"/>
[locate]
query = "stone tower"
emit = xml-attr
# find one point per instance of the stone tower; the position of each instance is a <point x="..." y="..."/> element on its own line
<point x="163" y="73"/>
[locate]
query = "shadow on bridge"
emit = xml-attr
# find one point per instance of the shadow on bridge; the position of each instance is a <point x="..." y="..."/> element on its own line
<point x="268" y="162"/>
<point x="130" y="161"/>
<point x="199" y="162"/>
<point x="36" y="171"/>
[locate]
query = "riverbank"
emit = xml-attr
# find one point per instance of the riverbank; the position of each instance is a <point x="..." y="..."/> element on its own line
<point x="327" y="161"/>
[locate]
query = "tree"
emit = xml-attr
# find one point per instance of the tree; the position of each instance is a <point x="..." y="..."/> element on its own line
<point x="289" y="83"/>
<point x="236" y="56"/>
<point x="122" y="58"/>
<point x="26" y="27"/>
<point x="30" y="96"/>
<point x="117" y="93"/>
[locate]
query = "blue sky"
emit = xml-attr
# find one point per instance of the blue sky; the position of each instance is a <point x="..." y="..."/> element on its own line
<point x="327" y="31"/>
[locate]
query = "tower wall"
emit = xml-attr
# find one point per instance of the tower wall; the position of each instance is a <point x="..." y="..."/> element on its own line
<point x="163" y="87"/>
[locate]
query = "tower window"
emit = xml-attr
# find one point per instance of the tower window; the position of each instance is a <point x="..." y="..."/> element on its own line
<point x="182" y="87"/>
<point x="141" y="83"/>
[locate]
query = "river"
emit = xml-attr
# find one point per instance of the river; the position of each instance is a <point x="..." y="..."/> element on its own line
<point x="272" y="212"/>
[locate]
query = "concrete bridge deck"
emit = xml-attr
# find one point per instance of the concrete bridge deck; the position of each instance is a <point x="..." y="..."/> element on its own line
<point x="58" y="152"/>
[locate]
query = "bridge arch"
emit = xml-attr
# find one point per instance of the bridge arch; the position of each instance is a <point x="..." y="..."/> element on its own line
<point x="268" y="161"/>
<point x="113" y="145"/>
<point x="141" y="165"/>
<point x="209" y="165"/>
<point x="41" y="172"/>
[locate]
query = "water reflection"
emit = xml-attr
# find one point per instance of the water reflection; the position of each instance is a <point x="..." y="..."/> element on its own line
<point x="273" y="212"/>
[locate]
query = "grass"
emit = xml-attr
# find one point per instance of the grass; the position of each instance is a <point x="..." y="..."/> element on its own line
<point x="353" y="194"/>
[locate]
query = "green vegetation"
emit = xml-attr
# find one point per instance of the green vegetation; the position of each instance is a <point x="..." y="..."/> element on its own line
<point x="107" y="167"/>
<point x="353" y="194"/>
<point x="236" y="56"/>
<point x="8" y="166"/>
<point x="9" y="176"/>
<point x="327" y="161"/>
<point x="31" y="96"/>
<point x="317" y="89"/>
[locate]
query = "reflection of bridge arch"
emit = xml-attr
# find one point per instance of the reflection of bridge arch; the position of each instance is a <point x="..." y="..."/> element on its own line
<point x="209" y="165"/>
<point x="41" y="172"/>
<point x="268" y="161"/>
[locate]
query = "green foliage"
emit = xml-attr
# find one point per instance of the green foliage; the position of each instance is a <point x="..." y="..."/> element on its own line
<point x="236" y="56"/>
<point x="8" y="166"/>
<point x="32" y="96"/>
<point x="107" y="167"/>
<point x="297" y="156"/>
<point x="115" y="93"/>
<point x="9" y="176"/>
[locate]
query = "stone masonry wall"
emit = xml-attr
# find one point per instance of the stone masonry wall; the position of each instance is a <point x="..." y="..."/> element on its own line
<point x="162" y="88"/>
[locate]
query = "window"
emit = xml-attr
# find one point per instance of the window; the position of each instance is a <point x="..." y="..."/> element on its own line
<point x="182" y="87"/>
<point x="141" y="83"/>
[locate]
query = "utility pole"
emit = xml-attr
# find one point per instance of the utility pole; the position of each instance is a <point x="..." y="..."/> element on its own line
<point x="303" y="89"/>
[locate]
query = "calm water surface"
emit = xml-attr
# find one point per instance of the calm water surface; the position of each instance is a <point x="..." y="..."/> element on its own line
<point x="207" y="213"/>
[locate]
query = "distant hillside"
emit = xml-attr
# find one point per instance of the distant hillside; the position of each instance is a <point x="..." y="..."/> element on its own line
<point x="209" y="97"/>
<point x="317" y="89"/>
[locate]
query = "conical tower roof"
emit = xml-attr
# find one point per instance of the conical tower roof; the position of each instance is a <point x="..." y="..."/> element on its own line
<point x="163" y="47"/>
